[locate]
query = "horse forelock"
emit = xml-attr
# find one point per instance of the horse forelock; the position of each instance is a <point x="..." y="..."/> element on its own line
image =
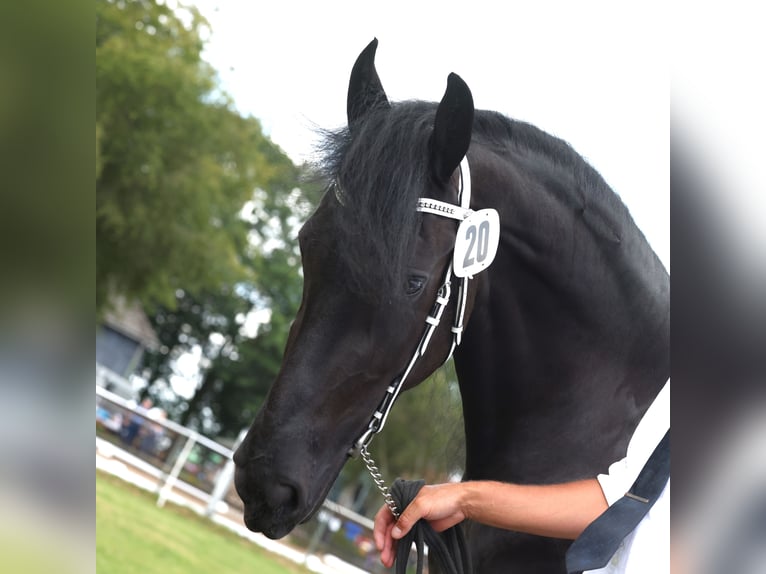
<point x="377" y="171"/>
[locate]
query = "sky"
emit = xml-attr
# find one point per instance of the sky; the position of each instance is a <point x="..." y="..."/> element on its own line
<point x="592" y="73"/>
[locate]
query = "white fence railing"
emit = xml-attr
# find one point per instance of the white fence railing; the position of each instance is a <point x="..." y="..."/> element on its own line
<point x="180" y="464"/>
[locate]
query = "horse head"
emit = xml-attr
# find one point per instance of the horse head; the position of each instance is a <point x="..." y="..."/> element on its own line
<point x="372" y="269"/>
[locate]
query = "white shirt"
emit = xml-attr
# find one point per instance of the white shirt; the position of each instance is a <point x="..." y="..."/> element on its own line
<point x="647" y="548"/>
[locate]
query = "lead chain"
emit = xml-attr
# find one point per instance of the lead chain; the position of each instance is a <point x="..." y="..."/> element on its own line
<point x="379" y="481"/>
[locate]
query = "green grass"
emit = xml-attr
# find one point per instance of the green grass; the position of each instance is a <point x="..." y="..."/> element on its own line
<point x="133" y="535"/>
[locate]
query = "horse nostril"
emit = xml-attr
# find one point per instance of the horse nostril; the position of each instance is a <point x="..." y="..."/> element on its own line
<point x="282" y="495"/>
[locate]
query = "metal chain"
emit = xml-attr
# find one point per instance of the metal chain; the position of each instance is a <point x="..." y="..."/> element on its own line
<point x="379" y="482"/>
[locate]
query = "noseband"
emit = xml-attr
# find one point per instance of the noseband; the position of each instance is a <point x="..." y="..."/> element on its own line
<point x="462" y="213"/>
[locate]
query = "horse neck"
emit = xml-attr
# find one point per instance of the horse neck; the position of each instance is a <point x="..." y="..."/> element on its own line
<point x="567" y="342"/>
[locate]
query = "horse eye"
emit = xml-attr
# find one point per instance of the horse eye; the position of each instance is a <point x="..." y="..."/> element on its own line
<point x="415" y="284"/>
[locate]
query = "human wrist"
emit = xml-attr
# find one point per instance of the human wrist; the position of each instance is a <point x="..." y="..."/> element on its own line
<point x="472" y="495"/>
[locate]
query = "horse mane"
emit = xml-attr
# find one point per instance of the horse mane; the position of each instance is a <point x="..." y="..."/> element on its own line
<point x="379" y="169"/>
<point x="498" y="131"/>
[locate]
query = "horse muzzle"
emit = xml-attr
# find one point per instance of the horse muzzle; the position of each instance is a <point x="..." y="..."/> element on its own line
<point x="274" y="504"/>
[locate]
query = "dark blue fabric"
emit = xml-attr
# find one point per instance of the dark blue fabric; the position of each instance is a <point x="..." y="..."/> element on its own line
<point x="600" y="540"/>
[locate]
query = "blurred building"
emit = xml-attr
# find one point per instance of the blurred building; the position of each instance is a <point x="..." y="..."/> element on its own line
<point x="121" y="340"/>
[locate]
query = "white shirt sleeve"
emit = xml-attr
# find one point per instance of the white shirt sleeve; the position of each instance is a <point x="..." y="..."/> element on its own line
<point x="623" y="473"/>
<point x="647" y="548"/>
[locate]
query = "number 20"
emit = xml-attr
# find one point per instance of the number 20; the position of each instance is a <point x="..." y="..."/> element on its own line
<point x="478" y="240"/>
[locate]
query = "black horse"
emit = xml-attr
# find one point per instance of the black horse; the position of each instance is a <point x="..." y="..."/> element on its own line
<point x="566" y="338"/>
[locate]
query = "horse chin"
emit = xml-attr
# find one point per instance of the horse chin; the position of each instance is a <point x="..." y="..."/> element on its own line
<point x="276" y="523"/>
<point x="272" y="530"/>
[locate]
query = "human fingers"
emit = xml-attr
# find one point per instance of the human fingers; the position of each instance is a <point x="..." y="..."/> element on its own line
<point x="384" y="520"/>
<point x="388" y="553"/>
<point x="384" y="523"/>
<point x="439" y="504"/>
<point x="407" y="519"/>
<point x="445" y="523"/>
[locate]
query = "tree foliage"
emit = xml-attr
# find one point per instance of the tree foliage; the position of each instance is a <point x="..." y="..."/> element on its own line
<point x="175" y="162"/>
<point x="196" y="211"/>
<point x="424" y="435"/>
<point x="237" y="368"/>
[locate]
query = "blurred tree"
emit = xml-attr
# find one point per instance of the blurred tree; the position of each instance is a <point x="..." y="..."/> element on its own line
<point x="237" y="362"/>
<point x="196" y="211"/>
<point x="424" y="436"/>
<point x="237" y="368"/>
<point x="175" y="162"/>
<point x="210" y="322"/>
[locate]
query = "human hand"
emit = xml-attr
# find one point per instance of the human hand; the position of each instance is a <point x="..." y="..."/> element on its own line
<point x="441" y="505"/>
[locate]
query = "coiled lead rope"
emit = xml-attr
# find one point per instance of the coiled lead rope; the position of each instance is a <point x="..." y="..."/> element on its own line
<point x="448" y="548"/>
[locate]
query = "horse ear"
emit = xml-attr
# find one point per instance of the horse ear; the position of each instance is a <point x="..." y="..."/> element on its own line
<point x="365" y="91"/>
<point x="452" y="129"/>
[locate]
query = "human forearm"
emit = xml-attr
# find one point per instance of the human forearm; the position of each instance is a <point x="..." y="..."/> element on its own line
<point x="556" y="510"/>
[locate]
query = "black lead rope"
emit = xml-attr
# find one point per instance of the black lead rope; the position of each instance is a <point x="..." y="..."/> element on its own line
<point x="448" y="547"/>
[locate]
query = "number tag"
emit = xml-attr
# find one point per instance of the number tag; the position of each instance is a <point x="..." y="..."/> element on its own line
<point x="476" y="244"/>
